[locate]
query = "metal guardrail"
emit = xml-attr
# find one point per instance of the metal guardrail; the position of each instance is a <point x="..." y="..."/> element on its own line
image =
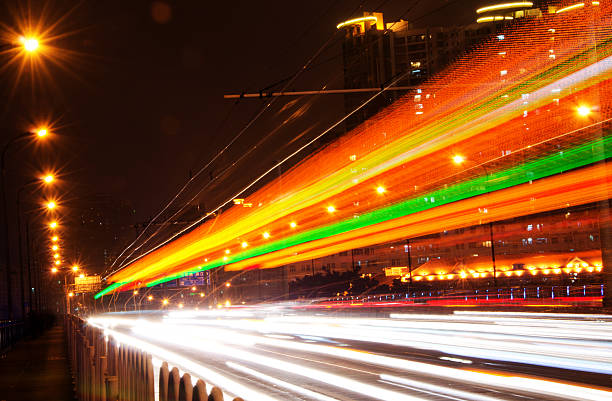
<point x="10" y="333"/>
<point x="105" y="370"/>
<point x="556" y="293"/>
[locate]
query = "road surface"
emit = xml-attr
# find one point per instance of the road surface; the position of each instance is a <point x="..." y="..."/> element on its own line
<point x="276" y="353"/>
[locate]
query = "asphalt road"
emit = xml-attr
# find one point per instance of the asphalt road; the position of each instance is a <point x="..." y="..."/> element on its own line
<point x="274" y="353"/>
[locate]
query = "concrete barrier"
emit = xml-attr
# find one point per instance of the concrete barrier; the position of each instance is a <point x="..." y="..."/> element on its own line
<point x="105" y="370"/>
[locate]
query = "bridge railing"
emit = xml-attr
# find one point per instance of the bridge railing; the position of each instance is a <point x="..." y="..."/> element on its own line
<point x="10" y="333"/>
<point x="591" y="293"/>
<point x="105" y="370"/>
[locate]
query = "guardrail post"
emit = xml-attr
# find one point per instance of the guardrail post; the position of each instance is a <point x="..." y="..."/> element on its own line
<point x="141" y="376"/>
<point x="112" y="388"/>
<point x="185" y="388"/>
<point x="163" y="382"/>
<point x="199" y="392"/>
<point x="149" y="393"/>
<point x="215" y="394"/>
<point x="102" y="369"/>
<point x="121" y="370"/>
<point x="173" y="384"/>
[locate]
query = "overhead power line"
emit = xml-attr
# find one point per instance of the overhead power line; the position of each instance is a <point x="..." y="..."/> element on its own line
<point x="315" y="92"/>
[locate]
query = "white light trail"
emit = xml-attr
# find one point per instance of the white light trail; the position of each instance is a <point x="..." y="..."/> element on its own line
<point x="540" y="341"/>
<point x="291" y="387"/>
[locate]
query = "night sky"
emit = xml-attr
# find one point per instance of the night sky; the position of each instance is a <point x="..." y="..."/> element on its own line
<point x="134" y="89"/>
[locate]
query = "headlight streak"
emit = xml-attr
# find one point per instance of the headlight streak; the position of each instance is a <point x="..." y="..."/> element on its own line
<point x="197" y="334"/>
<point x="531" y="347"/>
<point x="211" y="347"/>
<point x="230" y="387"/>
<point x="296" y="389"/>
<point x="437" y="389"/>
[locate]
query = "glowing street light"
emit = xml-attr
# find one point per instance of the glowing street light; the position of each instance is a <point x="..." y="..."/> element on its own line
<point x="56" y="256"/>
<point x="54" y="247"/>
<point x="381" y="190"/>
<point x="165" y="302"/>
<point x="81" y="275"/>
<point x="266" y="235"/>
<point x="53" y="224"/>
<point x="293" y="224"/>
<point x="228" y="284"/>
<point x="583" y="111"/>
<point x="51" y="205"/>
<point x="42" y="132"/>
<point x="71" y="294"/>
<point x="135" y="292"/>
<point x="54" y="270"/>
<point x="55" y="238"/>
<point x="458" y="159"/>
<point x="48" y="179"/>
<point x="193" y="288"/>
<point x="57" y="262"/>
<point x="150" y="297"/>
<point x="331" y="209"/>
<point x="29" y="44"/>
<point x="244" y="244"/>
<point x="75" y="268"/>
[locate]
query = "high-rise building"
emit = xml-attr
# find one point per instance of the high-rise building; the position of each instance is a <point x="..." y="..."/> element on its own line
<point x="376" y="54"/>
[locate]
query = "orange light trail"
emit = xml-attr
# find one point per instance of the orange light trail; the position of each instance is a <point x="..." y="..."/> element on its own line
<point x="496" y="112"/>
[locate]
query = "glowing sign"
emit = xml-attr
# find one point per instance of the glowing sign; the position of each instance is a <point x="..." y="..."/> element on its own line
<point x="569" y="8"/>
<point x="492" y="18"/>
<point x="504" y="6"/>
<point x="357" y="21"/>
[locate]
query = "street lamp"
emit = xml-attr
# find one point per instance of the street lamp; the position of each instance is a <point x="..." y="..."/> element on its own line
<point x="53" y="225"/>
<point x="583" y="110"/>
<point x="51" y="205"/>
<point x="75" y="268"/>
<point x="30" y="44"/>
<point x="458" y="159"/>
<point x="45" y="181"/>
<point x="5" y="149"/>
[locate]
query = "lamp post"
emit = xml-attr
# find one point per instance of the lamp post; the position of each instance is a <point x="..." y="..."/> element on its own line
<point x="69" y="294"/>
<point x="47" y="180"/>
<point x="7" y="259"/>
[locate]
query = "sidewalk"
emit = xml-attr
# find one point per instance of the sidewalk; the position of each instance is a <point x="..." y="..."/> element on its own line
<point x="37" y="369"/>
